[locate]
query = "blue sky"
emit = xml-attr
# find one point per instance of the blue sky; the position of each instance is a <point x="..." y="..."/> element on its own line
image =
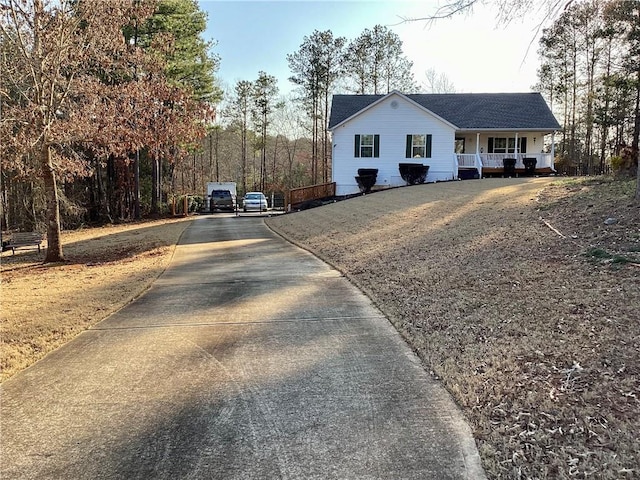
<point x="475" y="53"/>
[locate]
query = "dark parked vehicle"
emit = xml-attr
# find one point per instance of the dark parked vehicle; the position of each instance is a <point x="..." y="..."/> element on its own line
<point x="222" y="200"/>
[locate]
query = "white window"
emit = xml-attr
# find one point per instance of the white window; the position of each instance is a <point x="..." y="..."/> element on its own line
<point x="367" y="145"/>
<point x="507" y="145"/>
<point x="418" y="146"/>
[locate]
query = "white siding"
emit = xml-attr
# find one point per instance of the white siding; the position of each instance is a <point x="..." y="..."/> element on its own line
<point x="393" y="125"/>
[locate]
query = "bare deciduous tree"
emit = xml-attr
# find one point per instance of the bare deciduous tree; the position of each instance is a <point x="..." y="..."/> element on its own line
<point x="437" y="82"/>
<point x="68" y="87"/>
<point x="625" y="12"/>
<point x="57" y="50"/>
<point x="507" y="9"/>
<point x="239" y="112"/>
<point x="316" y="67"/>
<point x="265" y="91"/>
<point x="376" y="64"/>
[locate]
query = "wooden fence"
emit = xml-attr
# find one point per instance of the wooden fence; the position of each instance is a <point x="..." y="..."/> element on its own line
<point x="297" y="196"/>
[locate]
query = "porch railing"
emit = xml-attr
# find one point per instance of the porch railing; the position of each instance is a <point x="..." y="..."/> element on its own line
<point x="468" y="160"/>
<point x="494" y="160"/>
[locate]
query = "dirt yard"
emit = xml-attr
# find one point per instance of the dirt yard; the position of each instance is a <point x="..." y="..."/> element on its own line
<point x="518" y="296"/>
<point x="515" y="294"/>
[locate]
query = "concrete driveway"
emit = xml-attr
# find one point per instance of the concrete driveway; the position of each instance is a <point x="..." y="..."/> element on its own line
<point x="247" y="359"/>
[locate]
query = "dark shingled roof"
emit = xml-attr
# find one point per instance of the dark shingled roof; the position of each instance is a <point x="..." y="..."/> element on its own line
<point x="467" y="111"/>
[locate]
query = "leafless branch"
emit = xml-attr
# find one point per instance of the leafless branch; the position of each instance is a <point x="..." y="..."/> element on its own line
<point x="446" y="11"/>
<point x="508" y="10"/>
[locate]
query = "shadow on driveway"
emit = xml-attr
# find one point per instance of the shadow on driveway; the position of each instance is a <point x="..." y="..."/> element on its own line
<point x="248" y="358"/>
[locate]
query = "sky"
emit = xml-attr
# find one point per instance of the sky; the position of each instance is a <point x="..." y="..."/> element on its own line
<point x="474" y="52"/>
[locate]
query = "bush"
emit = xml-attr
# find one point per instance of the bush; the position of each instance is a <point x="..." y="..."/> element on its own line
<point x="413" y="173"/>
<point x="626" y="163"/>
<point x="366" y="179"/>
<point x="196" y="203"/>
<point x="564" y="165"/>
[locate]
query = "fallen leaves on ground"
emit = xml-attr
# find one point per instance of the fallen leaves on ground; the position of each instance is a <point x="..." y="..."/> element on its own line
<point x="520" y="298"/>
<point x="44" y="306"/>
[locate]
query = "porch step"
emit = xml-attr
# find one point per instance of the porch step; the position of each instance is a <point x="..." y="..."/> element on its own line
<point x="467" y="173"/>
<point x="519" y="172"/>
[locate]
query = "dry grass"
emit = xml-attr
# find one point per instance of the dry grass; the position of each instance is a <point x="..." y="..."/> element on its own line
<point x="518" y="296"/>
<point x="44" y="306"/>
<point x="515" y="293"/>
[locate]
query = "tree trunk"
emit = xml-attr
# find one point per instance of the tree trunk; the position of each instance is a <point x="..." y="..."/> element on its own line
<point x="591" y="66"/>
<point x="325" y="137"/>
<point x="194" y="188"/>
<point x="605" y="113"/>
<point x="274" y="171"/>
<point x="158" y="162"/>
<point x="243" y="153"/>
<point x="638" y="180"/>
<point x="263" y="154"/>
<point x="636" y="135"/>
<point x="314" y="151"/>
<point x="217" y="157"/>
<point x="155" y="187"/>
<point x="54" y="244"/>
<point x="211" y="175"/>
<point x="574" y="100"/>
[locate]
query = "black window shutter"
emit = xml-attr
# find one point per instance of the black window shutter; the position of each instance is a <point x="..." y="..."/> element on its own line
<point x="490" y="145"/>
<point x="376" y="146"/>
<point x="523" y="145"/>
<point x="428" y="146"/>
<point x="357" y="151"/>
<point x="409" y="142"/>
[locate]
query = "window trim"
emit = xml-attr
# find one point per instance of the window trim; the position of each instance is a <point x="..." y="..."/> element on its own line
<point x="509" y="145"/>
<point x="358" y="145"/>
<point x="411" y="146"/>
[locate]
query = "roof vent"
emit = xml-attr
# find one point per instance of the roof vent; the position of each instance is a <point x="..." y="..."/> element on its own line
<point x="394" y="104"/>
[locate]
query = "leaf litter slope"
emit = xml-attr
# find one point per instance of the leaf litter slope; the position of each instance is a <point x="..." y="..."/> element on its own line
<point x="495" y="284"/>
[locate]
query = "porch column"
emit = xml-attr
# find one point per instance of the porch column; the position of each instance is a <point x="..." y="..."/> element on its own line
<point x="553" y="149"/>
<point x="516" y="148"/>
<point x="478" y="161"/>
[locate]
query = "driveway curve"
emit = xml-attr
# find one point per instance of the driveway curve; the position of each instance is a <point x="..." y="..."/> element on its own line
<point x="248" y="358"/>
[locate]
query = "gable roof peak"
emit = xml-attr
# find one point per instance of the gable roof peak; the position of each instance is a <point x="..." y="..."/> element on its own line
<point x="464" y="111"/>
<point x="357" y="104"/>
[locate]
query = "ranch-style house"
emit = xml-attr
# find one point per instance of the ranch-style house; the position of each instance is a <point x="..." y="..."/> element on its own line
<point x="458" y="135"/>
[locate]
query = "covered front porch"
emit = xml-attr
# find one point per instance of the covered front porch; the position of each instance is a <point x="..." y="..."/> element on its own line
<point x="479" y="164"/>
<point x="504" y="153"/>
